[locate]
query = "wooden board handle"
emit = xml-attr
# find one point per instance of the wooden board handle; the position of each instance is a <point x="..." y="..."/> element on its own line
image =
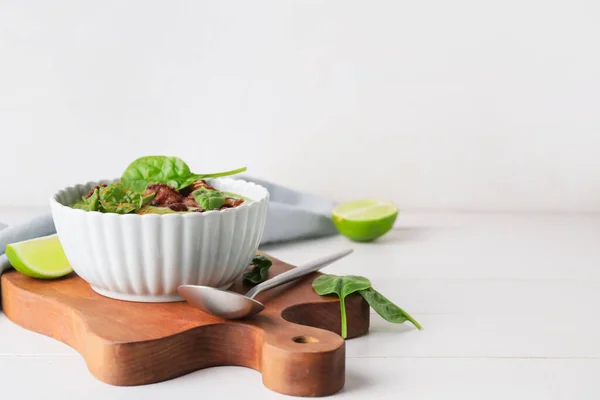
<point x="292" y="355"/>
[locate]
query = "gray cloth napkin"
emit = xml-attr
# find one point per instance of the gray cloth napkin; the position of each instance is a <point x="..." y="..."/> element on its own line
<point x="3" y="261"/>
<point x="291" y="215"/>
<point x="294" y="215"/>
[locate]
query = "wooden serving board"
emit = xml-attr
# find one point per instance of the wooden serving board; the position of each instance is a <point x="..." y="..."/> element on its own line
<point x="294" y="342"/>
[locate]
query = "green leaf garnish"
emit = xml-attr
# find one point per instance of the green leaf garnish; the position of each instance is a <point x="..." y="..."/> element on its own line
<point x="209" y="199"/>
<point x="147" y="199"/>
<point x="172" y="171"/>
<point x="90" y="204"/>
<point x="116" y="199"/>
<point x="261" y="268"/>
<point x="155" y="169"/>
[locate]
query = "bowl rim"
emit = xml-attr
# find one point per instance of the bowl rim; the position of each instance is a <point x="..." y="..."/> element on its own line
<point x="54" y="203"/>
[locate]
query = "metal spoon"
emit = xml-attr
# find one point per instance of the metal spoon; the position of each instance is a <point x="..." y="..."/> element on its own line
<point x="232" y="305"/>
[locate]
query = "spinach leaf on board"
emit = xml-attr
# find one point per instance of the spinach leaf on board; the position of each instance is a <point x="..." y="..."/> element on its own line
<point x="386" y="309"/>
<point x="342" y="286"/>
<point x="172" y="171"/>
<point x="261" y="268"/>
<point x="115" y="199"/>
<point x="209" y="199"/>
<point x="345" y="285"/>
<point x="90" y="204"/>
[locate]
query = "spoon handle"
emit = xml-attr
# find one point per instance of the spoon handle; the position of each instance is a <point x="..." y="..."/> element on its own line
<point x="297" y="272"/>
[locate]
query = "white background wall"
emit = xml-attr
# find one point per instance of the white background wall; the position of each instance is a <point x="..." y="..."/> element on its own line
<point x="470" y="105"/>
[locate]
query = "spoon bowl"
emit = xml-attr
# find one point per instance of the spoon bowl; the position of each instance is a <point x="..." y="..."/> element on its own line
<point x="231" y="305"/>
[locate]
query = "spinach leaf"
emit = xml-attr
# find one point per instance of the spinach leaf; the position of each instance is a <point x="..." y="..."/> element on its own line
<point x="384" y="307"/>
<point x="115" y="199"/>
<point x="342" y="286"/>
<point x="155" y="169"/>
<point x="80" y="205"/>
<point x="163" y="169"/>
<point x="259" y="272"/>
<point x="209" y="199"/>
<point x="345" y="285"/>
<point x="90" y="204"/>
<point x="147" y="199"/>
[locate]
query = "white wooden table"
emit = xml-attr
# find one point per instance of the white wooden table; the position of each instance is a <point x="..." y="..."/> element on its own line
<point x="509" y="305"/>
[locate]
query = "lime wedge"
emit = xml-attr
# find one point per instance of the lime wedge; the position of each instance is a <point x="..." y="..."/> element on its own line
<point x="364" y="220"/>
<point x="41" y="258"/>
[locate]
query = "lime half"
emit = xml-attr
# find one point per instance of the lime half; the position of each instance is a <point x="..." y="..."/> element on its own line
<point x="364" y="220"/>
<point x="41" y="258"/>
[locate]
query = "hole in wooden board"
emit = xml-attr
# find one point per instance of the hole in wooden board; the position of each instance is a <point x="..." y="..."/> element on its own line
<point x="305" y="339"/>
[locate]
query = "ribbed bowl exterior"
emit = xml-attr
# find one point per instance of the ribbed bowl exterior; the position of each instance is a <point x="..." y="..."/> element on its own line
<point x="146" y="257"/>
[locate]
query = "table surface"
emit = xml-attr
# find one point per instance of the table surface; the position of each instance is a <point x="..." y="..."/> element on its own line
<point x="508" y="304"/>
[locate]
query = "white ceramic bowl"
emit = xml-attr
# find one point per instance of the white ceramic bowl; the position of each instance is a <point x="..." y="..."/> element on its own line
<point x="146" y="257"/>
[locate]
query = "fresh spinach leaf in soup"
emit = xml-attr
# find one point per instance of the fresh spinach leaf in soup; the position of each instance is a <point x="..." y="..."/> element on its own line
<point x="209" y="199"/>
<point x="116" y="199"/>
<point x="156" y="169"/>
<point x="92" y="203"/>
<point x="162" y="169"/>
<point x="386" y="309"/>
<point x="342" y="286"/>
<point x="261" y="267"/>
<point x="147" y="199"/>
